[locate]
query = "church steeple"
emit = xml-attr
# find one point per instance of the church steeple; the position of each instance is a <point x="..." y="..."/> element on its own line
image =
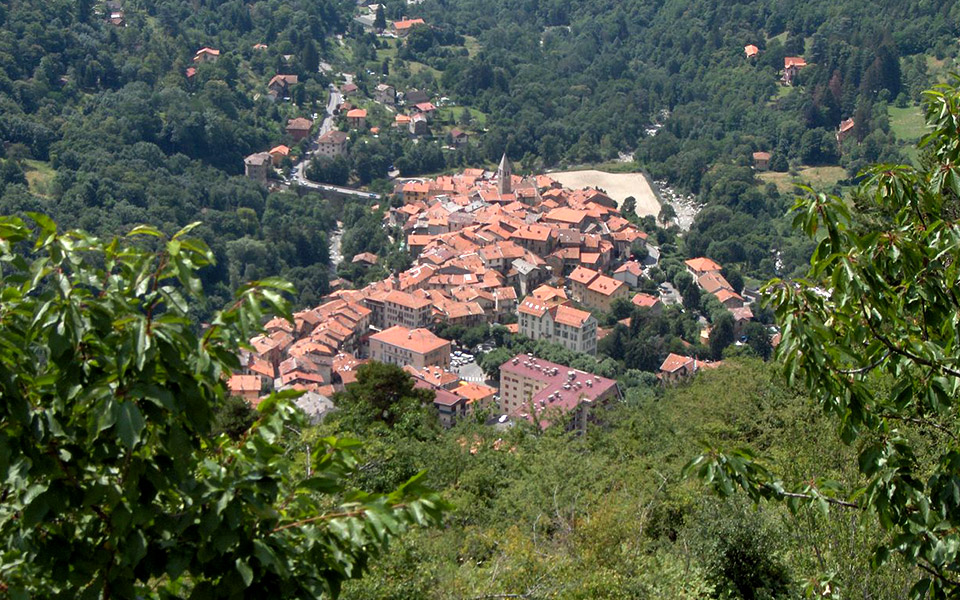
<point x="504" y="176"/>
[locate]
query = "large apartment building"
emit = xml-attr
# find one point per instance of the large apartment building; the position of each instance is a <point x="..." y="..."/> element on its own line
<point x="398" y="308"/>
<point x="542" y="391"/>
<point x="418" y="348"/>
<point x="572" y="328"/>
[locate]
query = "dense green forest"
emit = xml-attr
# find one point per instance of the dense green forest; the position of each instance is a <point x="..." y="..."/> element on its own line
<point x="608" y="515"/>
<point x="108" y="132"/>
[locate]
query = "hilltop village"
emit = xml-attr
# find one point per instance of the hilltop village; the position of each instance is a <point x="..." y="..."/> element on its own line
<point x="487" y="248"/>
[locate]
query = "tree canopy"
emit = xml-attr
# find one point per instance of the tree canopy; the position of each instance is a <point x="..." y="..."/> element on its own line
<point x="871" y="332"/>
<point x="114" y="484"/>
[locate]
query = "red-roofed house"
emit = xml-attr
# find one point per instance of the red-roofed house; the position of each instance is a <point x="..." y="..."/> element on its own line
<point x="676" y="367"/>
<point x="630" y="273"/>
<point x="247" y="387"/>
<point x="543" y="392"/>
<point x="357" y="118"/>
<point x="579" y="279"/>
<point x="792" y="66"/>
<point x="477" y="395"/>
<point x="761" y="161"/>
<point x="568" y="217"/>
<point x="750" y="50"/>
<point x="205" y="55"/>
<point x="403" y="27"/>
<point x="603" y="291"/>
<point x="647" y="301"/>
<point x="846" y="128"/>
<point x="415" y="347"/>
<point x="299" y="128"/>
<point x="427" y="109"/>
<point x="699" y="266"/>
<point x="458" y="137"/>
<point x="278" y="154"/>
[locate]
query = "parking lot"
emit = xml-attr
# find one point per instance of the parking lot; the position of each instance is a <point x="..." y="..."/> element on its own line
<point x="465" y="365"/>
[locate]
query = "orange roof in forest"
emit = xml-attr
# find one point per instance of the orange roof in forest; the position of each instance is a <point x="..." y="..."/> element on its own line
<point x="357" y="113"/>
<point x="299" y="123"/>
<point x="751" y="50"/>
<point x="407" y="23"/>
<point x="794" y="61"/>
<point x="702" y="265"/>
<point x="675" y="362"/>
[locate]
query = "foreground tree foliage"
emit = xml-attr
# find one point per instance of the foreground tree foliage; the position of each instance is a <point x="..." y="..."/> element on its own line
<point x="113" y="484"/>
<point x="872" y="332"/>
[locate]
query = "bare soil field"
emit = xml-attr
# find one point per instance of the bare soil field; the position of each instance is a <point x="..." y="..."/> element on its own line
<point x="617" y="185"/>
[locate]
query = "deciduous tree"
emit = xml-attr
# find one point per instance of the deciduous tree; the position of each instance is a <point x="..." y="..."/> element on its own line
<point x="114" y="485"/>
<point x="871" y="332"/>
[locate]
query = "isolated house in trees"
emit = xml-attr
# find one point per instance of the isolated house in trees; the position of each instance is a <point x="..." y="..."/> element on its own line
<point x="458" y="138"/>
<point x="415" y="96"/>
<point x="792" y="66"/>
<point x="403" y="27"/>
<point x="751" y="51"/>
<point x="206" y="55"/>
<point x="701" y="266"/>
<point x="256" y="166"/>
<point x="333" y="143"/>
<point x="642" y="300"/>
<point x="761" y="161"/>
<point x="845" y="130"/>
<point x="299" y="128"/>
<point x="280" y="85"/>
<point x="676" y="368"/>
<point x="426" y="109"/>
<point x="418" y="125"/>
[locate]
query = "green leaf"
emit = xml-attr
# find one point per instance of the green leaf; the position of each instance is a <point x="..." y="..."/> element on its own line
<point x="246" y="573"/>
<point x="145" y="230"/>
<point x="129" y="424"/>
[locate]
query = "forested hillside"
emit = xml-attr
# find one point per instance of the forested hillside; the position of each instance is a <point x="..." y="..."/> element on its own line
<point x="609" y="516"/>
<point x="103" y="130"/>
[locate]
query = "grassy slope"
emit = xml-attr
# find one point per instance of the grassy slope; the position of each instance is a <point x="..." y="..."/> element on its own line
<point x="816" y="177"/>
<point x="39" y="176"/>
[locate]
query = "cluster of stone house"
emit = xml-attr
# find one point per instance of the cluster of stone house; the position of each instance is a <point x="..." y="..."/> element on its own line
<point x="707" y="274"/>
<point x="477" y="238"/>
<point x="257" y="166"/>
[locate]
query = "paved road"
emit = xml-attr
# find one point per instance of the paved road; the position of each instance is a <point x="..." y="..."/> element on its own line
<point x="471" y="372"/>
<point x="299" y="175"/>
